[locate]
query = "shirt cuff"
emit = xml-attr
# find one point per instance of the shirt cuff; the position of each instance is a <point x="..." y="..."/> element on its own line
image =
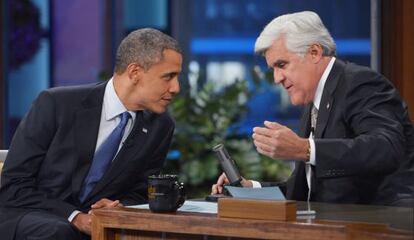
<point x="256" y="184"/>
<point x="312" y="159"/>
<point x="73" y="215"/>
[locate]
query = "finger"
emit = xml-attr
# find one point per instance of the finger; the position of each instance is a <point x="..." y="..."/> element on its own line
<point x="264" y="147"/>
<point x="225" y="179"/>
<point x="101" y="203"/>
<point x="262" y="138"/>
<point x="114" y="203"/>
<point x="270" y="144"/>
<point x="263" y="152"/>
<point x="214" y="189"/>
<point x="97" y="205"/>
<point x="273" y="125"/>
<point x="263" y="131"/>
<point x="219" y="189"/>
<point x="222" y="179"/>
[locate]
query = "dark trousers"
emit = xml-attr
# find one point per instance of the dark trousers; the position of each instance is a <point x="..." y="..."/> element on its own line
<point x="404" y="202"/>
<point x="41" y="225"/>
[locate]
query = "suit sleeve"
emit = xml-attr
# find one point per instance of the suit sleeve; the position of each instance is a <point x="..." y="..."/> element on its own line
<point x="372" y="141"/>
<point x="139" y="193"/>
<point x="26" y="156"/>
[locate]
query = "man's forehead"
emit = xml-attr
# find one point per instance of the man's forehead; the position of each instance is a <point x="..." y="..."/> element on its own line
<point x="171" y="51"/>
<point x="277" y="52"/>
<point x="169" y="54"/>
<point x="273" y="57"/>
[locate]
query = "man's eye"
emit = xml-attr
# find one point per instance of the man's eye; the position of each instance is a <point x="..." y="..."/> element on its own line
<point x="169" y="76"/>
<point x="281" y="65"/>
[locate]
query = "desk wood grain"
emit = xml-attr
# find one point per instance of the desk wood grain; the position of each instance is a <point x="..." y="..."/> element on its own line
<point x="142" y="224"/>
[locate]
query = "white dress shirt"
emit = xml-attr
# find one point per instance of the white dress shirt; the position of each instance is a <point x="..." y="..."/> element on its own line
<point x="112" y="107"/>
<point x="317" y="102"/>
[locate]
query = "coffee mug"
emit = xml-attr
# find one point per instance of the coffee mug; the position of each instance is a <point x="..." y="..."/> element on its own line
<point x="165" y="193"/>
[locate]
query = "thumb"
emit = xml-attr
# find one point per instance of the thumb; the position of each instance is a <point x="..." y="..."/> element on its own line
<point x="114" y="203"/>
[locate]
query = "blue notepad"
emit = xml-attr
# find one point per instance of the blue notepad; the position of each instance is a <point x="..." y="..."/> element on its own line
<point x="265" y="193"/>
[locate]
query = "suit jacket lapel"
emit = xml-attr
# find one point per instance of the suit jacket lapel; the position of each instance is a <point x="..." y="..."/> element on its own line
<point x="87" y="121"/>
<point x="327" y="101"/>
<point x="323" y="114"/>
<point x="296" y="185"/>
<point x="305" y="122"/>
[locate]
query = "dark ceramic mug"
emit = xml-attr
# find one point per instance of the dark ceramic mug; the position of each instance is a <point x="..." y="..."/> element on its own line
<point x="165" y="193"/>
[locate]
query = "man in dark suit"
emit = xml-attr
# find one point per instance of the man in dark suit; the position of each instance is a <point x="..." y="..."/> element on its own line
<point x="356" y="142"/>
<point x="55" y="172"/>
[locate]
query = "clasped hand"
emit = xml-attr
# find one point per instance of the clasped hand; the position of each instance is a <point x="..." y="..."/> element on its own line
<point x="83" y="221"/>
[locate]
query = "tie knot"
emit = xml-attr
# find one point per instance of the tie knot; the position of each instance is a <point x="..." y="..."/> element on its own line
<point x="125" y="116"/>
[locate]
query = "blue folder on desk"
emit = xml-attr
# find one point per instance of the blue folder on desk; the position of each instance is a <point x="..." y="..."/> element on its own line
<point x="265" y="193"/>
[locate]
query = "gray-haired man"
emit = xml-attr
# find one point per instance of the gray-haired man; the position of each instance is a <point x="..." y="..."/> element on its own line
<point x="356" y="141"/>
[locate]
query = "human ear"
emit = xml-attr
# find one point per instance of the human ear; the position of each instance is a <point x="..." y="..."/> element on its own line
<point x="316" y="52"/>
<point x="134" y="72"/>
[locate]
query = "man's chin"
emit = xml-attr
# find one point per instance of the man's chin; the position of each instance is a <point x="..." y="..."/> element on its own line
<point x="297" y="102"/>
<point x="158" y="109"/>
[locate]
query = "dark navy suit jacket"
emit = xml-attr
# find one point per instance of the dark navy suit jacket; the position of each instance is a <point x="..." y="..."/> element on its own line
<point x="53" y="148"/>
<point x="364" y="142"/>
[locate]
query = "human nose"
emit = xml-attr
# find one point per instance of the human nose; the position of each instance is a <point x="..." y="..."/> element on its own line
<point x="175" y="86"/>
<point x="277" y="76"/>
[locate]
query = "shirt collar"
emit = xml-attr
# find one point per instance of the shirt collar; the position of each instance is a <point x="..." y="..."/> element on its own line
<point x="321" y="84"/>
<point x="112" y="105"/>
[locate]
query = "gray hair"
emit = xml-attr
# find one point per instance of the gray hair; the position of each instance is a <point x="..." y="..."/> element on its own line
<point x="145" y="47"/>
<point x="300" y="30"/>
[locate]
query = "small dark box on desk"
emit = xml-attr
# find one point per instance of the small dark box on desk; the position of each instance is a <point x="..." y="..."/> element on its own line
<point x="257" y="209"/>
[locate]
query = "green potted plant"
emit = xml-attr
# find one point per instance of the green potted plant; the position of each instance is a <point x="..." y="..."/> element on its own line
<point x="203" y="120"/>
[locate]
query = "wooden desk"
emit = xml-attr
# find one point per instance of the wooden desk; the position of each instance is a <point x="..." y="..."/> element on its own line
<point x="332" y="221"/>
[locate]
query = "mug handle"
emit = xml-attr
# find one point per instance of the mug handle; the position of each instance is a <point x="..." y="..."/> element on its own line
<point x="181" y="193"/>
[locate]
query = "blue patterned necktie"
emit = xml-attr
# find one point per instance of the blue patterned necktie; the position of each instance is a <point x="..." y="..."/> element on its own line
<point x="103" y="157"/>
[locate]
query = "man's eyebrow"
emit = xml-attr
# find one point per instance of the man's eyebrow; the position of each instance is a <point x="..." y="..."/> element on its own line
<point x="169" y="74"/>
